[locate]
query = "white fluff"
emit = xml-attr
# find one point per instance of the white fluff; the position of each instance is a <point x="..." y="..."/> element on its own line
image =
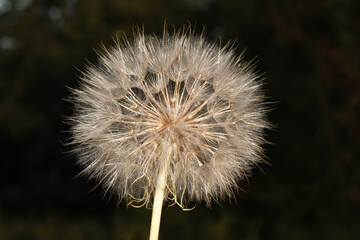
<point x="180" y="88"/>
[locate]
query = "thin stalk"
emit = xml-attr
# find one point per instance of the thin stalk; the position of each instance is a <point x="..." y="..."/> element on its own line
<point x="160" y="190"/>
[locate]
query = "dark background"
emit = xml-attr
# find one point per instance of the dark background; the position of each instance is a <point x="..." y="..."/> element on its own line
<point x="309" y="52"/>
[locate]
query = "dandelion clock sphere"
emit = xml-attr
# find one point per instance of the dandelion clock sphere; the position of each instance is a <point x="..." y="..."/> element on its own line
<point x="172" y="117"/>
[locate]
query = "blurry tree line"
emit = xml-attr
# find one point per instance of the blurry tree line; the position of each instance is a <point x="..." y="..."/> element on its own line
<point x="308" y="51"/>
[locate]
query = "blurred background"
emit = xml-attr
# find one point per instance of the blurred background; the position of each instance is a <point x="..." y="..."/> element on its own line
<point x="309" y="52"/>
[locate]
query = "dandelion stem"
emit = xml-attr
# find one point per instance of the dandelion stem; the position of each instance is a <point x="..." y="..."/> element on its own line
<point x="164" y="159"/>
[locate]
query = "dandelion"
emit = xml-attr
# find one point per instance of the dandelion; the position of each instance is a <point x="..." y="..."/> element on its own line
<point x="173" y="118"/>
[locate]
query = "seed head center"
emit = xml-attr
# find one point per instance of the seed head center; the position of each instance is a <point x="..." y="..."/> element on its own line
<point x="170" y="126"/>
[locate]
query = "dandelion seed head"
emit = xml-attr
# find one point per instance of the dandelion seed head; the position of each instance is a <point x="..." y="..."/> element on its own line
<point x="179" y="88"/>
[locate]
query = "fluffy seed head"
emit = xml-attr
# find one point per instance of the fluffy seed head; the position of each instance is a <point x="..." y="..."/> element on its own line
<point x="178" y="88"/>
